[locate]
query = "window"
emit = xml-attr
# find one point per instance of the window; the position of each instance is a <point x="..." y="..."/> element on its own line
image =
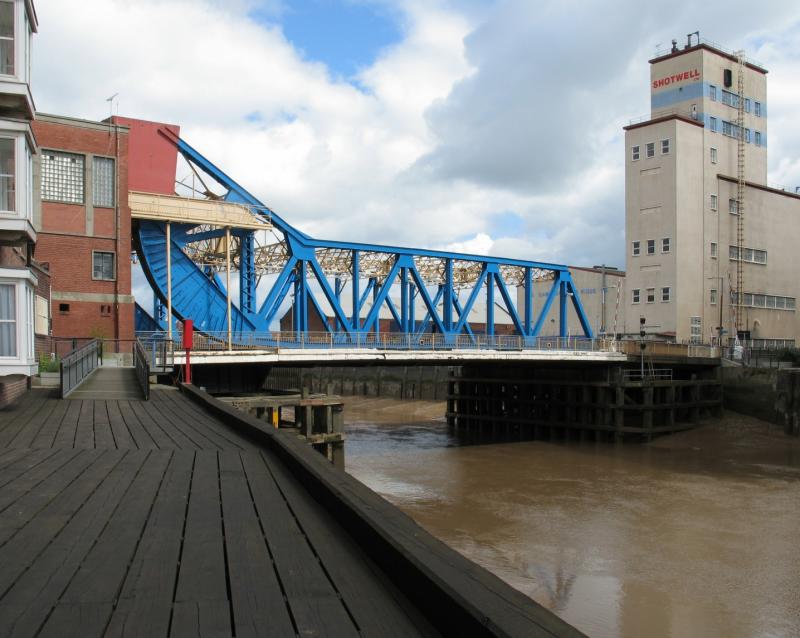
<point x="636" y="248"/>
<point x="62" y="177"/>
<point x="103" y="266"/>
<point x="8" y="319"/>
<point x="714" y="251"/>
<point x="731" y="99"/>
<point x="713" y="296"/>
<point x="650" y="149"/>
<point x="665" y="245"/>
<point x="665" y="293"/>
<point x="651" y="246"/>
<point x="696" y="329"/>
<point x="733" y="207"/>
<point x="103" y="182"/>
<point x="105" y="309"/>
<point x="635" y="153"/>
<point x="713" y="202"/>
<point x="751" y="255"/>
<point x="7" y="38"/>
<point x="747" y="135"/>
<point x="63" y="307"/>
<point x="758" y="138"/>
<point x="635" y="295"/>
<point x="747" y="104"/>
<point x="8" y="190"/>
<point x="664" y="147"/>
<point x="757" y="109"/>
<point x="651" y="295"/>
<point x="712" y="93"/>
<point x="713" y="155"/>
<point x="712" y="124"/>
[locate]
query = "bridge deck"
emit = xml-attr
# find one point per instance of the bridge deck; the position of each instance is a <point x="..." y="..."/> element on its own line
<point x="154" y="519"/>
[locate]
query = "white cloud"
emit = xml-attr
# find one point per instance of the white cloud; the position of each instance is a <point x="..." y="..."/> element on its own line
<point x="515" y="106"/>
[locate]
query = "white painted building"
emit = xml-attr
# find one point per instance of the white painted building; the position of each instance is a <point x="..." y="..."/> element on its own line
<point x="19" y="218"/>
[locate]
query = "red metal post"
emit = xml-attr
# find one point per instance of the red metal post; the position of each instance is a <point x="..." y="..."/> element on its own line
<point x="188" y="342"/>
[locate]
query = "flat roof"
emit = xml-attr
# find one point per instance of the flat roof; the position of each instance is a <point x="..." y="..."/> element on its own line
<point x="761" y="187"/>
<point x="710" y="48"/>
<point x="66" y="120"/>
<point x="663" y="118"/>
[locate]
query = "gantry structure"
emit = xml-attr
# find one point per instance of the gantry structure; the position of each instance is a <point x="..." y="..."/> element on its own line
<point x="191" y="247"/>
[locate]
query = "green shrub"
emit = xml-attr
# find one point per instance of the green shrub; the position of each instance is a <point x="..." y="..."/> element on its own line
<point x="49" y="364"/>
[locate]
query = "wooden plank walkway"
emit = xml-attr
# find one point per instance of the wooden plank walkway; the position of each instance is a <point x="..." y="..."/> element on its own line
<point x="108" y="382"/>
<point x="130" y="518"/>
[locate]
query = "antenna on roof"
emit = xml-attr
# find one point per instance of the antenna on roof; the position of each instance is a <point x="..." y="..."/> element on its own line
<point x="110" y="101"/>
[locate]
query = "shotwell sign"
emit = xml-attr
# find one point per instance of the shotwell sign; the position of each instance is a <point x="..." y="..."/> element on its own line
<point x="693" y="74"/>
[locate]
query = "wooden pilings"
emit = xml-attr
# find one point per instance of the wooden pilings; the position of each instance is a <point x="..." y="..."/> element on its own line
<point x="601" y="403"/>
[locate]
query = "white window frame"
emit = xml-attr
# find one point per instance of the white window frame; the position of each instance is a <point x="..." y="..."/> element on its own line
<point x="23" y="281"/>
<point x="665" y="144"/>
<point x="713" y="201"/>
<point x="650" y="150"/>
<point x="712" y="296"/>
<point x="651" y="295"/>
<point x="666" y="294"/>
<point x="636" y="248"/>
<point x="733" y="206"/>
<point x="712" y="92"/>
<point x="651" y="243"/>
<point x="666" y="245"/>
<point x="712" y="124"/>
<point x="757" y="138"/>
<point x="713" y="155"/>
<point x="757" y="109"/>
<point x="635" y="153"/>
<point x="23" y="171"/>
<point x="636" y="295"/>
<point x="105" y="252"/>
<point x="714" y="250"/>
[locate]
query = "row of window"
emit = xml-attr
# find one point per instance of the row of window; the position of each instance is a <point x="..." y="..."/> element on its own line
<point x="650" y="295"/>
<point x="752" y="255"/>
<point x="732" y="99"/>
<point x="636" y="246"/>
<point x="64" y="178"/>
<point x="757" y="300"/>
<point x="731" y="129"/>
<point x="649" y="150"/>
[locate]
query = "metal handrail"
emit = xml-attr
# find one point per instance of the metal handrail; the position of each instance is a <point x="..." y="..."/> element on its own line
<point x="161" y="349"/>
<point x="142" y="364"/>
<point x="79" y="364"/>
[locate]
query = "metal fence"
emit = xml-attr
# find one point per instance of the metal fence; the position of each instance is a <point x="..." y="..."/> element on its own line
<point x="142" y="364"/>
<point x="77" y="365"/>
<point x="160" y="348"/>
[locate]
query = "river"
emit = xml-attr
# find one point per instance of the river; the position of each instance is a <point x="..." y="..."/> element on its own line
<point x="696" y="534"/>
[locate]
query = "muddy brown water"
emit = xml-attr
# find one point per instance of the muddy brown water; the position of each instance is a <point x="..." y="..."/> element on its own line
<point x="696" y="534"/>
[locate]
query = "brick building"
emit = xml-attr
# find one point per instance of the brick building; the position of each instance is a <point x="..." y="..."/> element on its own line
<point x="18" y="214"/>
<point x="86" y="227"/>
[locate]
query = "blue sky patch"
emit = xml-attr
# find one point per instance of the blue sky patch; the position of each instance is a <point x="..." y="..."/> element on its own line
<point x="345" y="35"/>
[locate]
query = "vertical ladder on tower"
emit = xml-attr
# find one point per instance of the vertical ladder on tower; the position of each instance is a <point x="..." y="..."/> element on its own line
<point x="740" y="194"/>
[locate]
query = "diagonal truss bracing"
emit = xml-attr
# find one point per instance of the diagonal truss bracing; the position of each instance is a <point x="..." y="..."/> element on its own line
<point x="348" y="284"/>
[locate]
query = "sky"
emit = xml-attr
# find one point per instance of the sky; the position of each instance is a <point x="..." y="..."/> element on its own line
<point x="484" y="126"/>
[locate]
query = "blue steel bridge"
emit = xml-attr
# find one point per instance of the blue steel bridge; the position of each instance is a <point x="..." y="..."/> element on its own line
<point x="426" y="292"/>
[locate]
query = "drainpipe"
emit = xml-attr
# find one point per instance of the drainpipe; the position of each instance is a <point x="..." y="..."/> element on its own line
<point x="117" y="234"/>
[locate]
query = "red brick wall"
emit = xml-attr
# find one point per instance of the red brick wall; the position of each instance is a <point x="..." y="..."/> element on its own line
<point x="67" y="243"/>
<point x="153" y="155"/>
<point x="11" y="388"/>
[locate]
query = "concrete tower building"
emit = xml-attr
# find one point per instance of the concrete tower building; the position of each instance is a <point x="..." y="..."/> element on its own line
<point x="701" y="222"/>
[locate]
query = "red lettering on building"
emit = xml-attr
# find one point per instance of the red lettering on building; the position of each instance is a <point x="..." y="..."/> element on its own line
<point x="693" y="74"/>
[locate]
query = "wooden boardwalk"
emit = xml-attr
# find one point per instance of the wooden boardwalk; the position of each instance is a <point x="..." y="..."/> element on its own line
<point x="133" y="518"/>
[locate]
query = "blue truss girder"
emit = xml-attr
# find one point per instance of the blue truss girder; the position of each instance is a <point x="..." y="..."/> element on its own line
<point x="302" y="279"/>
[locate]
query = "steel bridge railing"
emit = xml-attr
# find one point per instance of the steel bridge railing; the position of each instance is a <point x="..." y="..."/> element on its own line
<point x="78" y="364"/>
<point x="160" y="349"/>
<point x="142" y="364"/>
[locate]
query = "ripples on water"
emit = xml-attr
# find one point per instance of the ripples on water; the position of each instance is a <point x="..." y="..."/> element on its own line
<point x="691" y="535"/>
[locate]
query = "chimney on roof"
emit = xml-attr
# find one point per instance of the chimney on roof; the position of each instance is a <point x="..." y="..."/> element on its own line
<point x="674" y="46"/>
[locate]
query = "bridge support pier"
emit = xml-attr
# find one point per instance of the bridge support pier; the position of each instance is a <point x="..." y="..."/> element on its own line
<point x="599" y="403"/>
